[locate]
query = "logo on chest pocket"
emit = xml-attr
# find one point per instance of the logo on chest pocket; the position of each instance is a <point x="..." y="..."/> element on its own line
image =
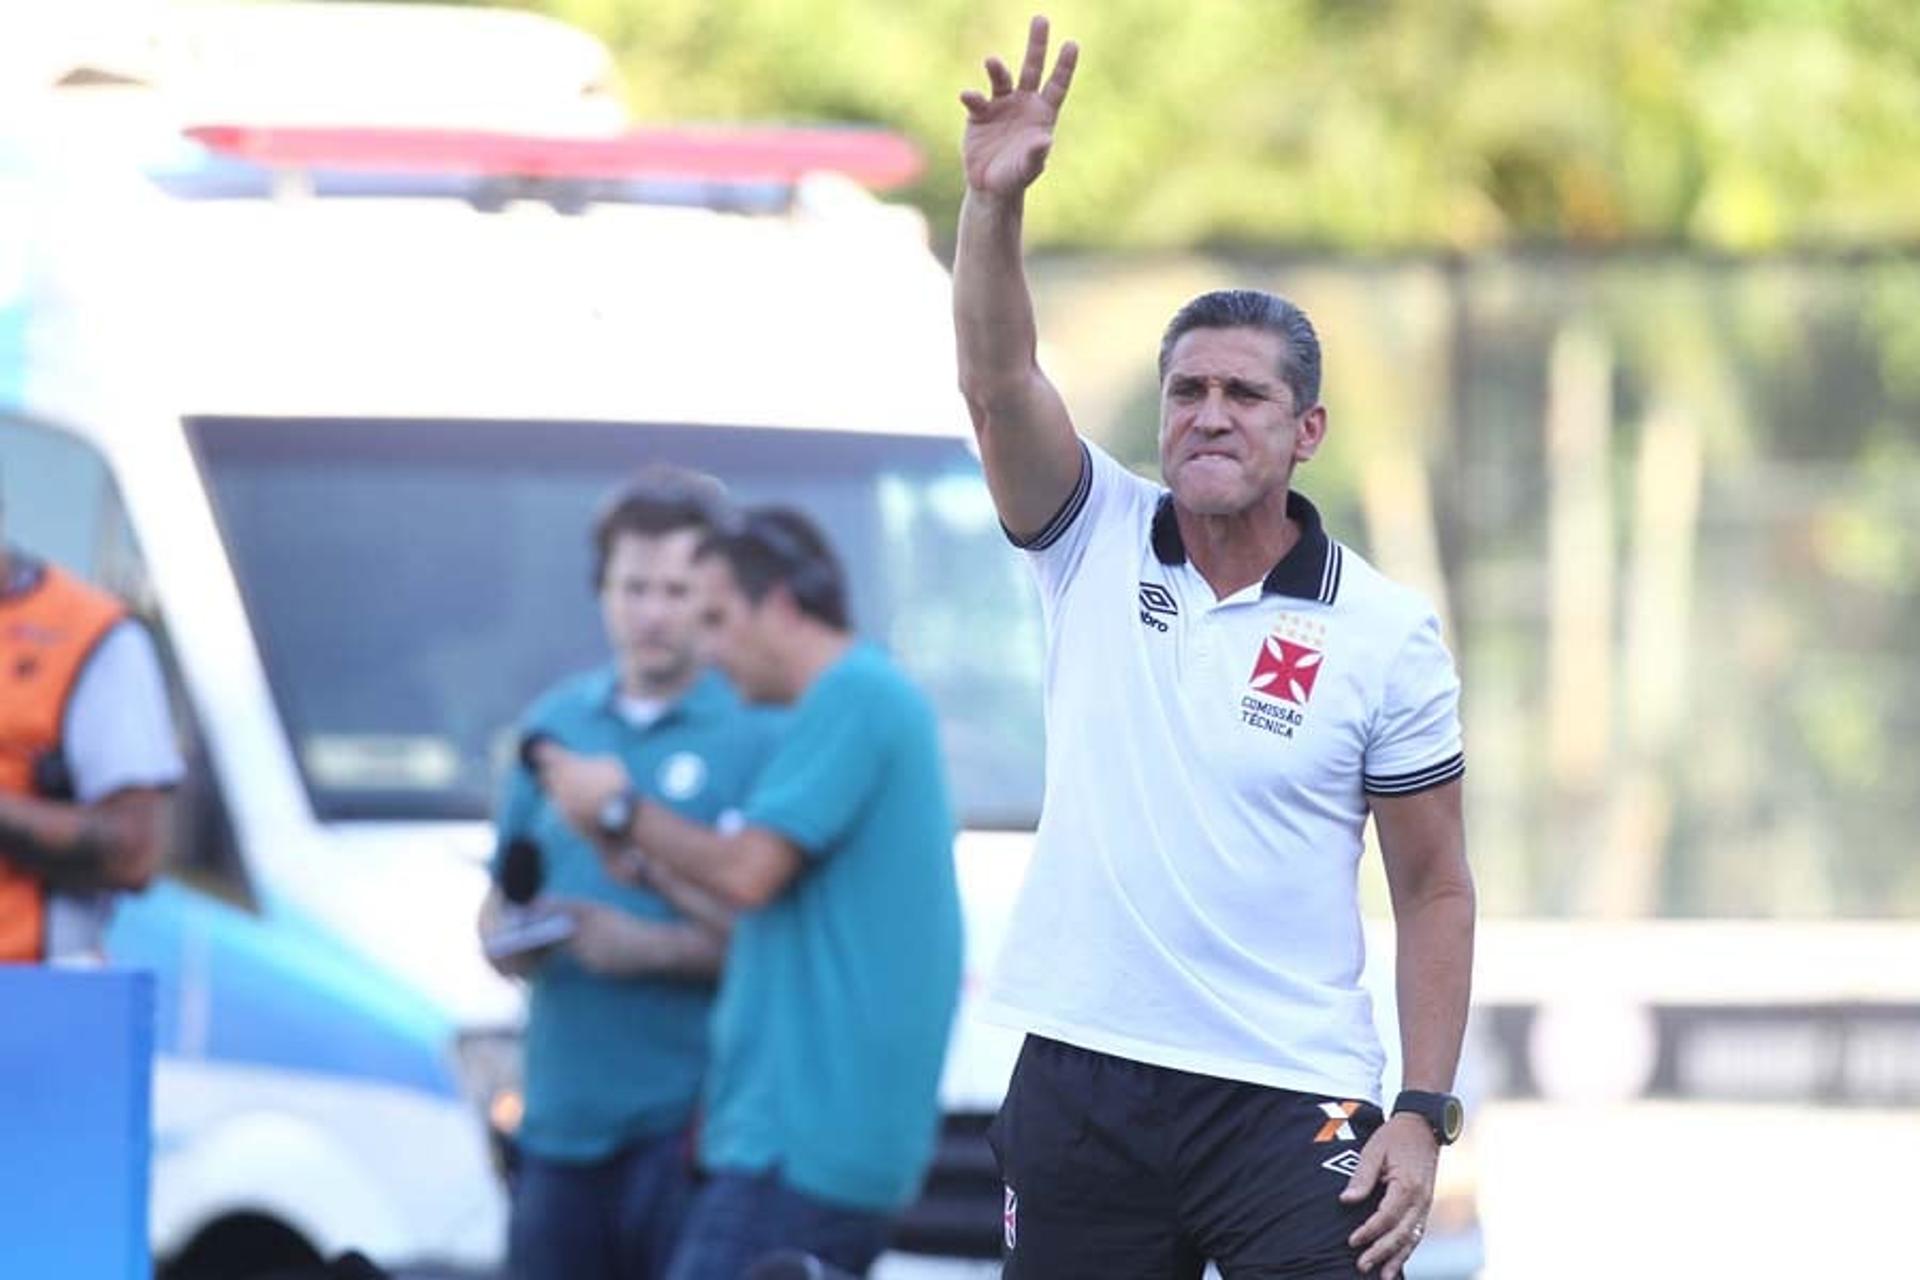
<point x="1285" y="670"/>
<point x="681" y="775"/>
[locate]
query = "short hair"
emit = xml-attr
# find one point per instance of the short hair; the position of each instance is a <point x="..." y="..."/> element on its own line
<point x="1255" y="309"/>
<point x="659" y="499"/>
<point x="778" y="546"/>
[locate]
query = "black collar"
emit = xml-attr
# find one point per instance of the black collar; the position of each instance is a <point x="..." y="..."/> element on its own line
<point x="1310" y="571"/>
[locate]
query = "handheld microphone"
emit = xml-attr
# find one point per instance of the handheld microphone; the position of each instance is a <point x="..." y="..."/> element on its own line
<point x="529" y="750"/>
<point x="523" y="926"/>
<point x="523" y="872"/>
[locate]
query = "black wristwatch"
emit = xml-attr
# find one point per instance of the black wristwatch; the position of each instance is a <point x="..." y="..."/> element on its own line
<point x="1442" y="1112"/>
<point x="615" y="818"/>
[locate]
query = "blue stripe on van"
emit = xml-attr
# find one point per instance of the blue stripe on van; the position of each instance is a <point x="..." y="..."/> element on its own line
<point x="274" y="991"/>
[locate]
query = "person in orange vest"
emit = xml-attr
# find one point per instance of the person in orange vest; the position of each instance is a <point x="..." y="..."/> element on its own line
<point x="87" y="760"/>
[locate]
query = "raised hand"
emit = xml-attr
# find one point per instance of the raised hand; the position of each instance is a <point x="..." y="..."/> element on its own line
<point x="1009" y="135"/>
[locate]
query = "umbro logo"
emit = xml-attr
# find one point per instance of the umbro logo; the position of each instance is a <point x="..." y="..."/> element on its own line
<point x="1156" y="600"/>
<point x="1347" y="1162"/>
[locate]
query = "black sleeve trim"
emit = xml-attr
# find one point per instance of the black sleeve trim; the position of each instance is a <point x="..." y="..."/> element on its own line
<point x="1406" y="784"/>
<point x="1069" y="511"/>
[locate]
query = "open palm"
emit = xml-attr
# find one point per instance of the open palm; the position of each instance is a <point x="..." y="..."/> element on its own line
<point x="1009" y="134"/>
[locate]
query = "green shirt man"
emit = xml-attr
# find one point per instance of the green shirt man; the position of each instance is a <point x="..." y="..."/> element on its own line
<point x="833" y="1017"/>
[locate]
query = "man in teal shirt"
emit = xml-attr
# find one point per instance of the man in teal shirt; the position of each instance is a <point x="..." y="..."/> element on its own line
<point x="832" y="1025"/>
<point x="617" y="1027"/>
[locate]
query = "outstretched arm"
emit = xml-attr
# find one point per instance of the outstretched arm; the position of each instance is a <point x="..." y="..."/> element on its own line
<point x="1027" y="441"/>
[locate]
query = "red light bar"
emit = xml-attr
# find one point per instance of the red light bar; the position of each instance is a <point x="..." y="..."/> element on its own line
<point x="872" y="157"/>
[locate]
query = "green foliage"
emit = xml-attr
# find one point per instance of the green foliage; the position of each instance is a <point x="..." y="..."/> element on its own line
<point x="1360" y="124"/>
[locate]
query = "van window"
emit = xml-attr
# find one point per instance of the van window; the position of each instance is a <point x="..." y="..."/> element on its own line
<point x="414" y="584"/>
<point x="58" y="503"/>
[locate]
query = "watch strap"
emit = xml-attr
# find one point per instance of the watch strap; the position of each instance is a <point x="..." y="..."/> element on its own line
<point x="1442" y="1112"/>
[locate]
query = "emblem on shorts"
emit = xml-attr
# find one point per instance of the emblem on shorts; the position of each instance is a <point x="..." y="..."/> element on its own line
<point x="1347" y="1162"/>
<point x="681" y="775"/>
<point x="1339" y="1125"/>
<point x="1008" y="1215"/>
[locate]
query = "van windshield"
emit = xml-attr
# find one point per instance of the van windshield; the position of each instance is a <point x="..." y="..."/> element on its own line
<point x="415" y="584"/>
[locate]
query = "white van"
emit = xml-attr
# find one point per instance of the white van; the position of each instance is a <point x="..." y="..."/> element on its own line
<point x="342" y="447"/>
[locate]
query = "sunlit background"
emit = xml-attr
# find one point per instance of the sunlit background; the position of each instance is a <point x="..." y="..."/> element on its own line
<point x="1621" y="313"/>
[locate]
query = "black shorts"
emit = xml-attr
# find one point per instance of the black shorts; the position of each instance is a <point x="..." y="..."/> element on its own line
<point x="1116" y="1169"/>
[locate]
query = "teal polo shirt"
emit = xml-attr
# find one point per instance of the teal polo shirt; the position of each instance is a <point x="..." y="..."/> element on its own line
<point x="839" y="995"/>
<point x="611" y="1060"/>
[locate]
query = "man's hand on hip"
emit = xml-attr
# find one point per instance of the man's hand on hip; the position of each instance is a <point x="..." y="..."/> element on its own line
<point x="1402" y="1155"/>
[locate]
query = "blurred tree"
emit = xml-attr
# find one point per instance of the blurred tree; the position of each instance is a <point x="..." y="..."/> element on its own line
<point x="1739" y="124"/>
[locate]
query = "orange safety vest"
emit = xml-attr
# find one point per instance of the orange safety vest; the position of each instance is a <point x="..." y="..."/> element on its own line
<point x="46" y="635"/>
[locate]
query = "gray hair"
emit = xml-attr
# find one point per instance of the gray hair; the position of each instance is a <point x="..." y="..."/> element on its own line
<point x="1255" y="309"/>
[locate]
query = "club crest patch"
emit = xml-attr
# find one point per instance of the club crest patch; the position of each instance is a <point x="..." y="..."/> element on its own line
<point x="1285" y="669"/>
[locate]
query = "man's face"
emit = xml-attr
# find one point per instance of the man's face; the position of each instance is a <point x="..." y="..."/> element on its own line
<point x="742" y="638"/>
<point x="1230" y="433"/>
<point x="651" y="602"/>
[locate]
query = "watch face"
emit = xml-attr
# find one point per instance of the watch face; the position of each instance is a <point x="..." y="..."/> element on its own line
<point x="616" y="815"/>
<point x="1442" y="1112"/>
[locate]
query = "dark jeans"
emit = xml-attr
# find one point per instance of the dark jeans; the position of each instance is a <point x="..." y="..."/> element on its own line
<point x="616" y="1219"/>
<point x="739" y="1218"/>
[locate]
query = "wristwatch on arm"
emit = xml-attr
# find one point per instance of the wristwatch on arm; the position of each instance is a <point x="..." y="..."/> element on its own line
<point x="615" y="824"/>
<point x="616" y="814"/>
<point x="1442" y="1112"/>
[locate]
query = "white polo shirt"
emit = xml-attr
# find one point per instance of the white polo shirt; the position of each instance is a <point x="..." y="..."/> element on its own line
<point x="1192" y="901"/>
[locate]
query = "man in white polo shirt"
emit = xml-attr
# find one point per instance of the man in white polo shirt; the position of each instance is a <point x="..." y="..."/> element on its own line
<point x="1230" y="693"/>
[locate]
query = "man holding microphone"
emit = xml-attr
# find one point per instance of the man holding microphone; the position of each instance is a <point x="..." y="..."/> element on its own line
<point x="834" y="1011"/>
<point x="617" y="1039"/>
